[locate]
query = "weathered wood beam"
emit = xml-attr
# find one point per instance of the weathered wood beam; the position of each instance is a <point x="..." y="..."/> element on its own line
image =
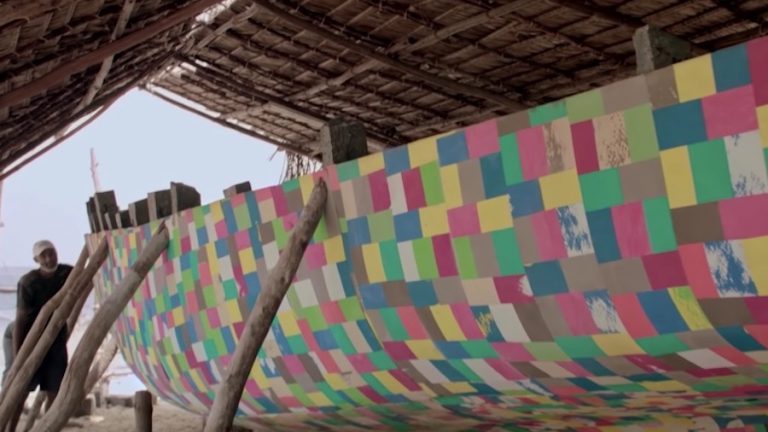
<point x="296" y="148"/>
<point x="245" y="88"/>
<point x="46" y="329"/>
<point x="406" y="47"/>
<point x="63" y="72"/>
<point x="73" y="387"/>
<point x="106" y="65"/>
<point x="335" y="57"/>
<point x="592" y="10"/>
<point x="655" y="49"/>
<point x="26" y="9"/>
<point x="388" y="61"/>
<point x="260" y="318"/>
<point x="735" y="9"/>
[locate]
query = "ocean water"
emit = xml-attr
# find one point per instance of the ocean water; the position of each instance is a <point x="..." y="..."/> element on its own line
<point x="122" y="381"/>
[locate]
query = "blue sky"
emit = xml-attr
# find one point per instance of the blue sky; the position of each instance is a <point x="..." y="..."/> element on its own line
<point x="141" y="144"/>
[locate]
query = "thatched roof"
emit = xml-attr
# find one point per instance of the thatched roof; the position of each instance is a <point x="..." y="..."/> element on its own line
<point x="277" y="69"/>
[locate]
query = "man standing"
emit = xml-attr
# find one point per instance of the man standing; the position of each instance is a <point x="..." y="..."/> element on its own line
<point x="35" y="289"/>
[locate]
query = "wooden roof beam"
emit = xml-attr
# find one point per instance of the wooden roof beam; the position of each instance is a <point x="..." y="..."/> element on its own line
<point x="736" y="10"/>
<point x="404" y="46"/>
<point x="420" y="85"/>
<point x="294" y="147"/>
<point x="106" y="65"/>
<point x="302" y="64"/>
<point x="222" y="79"/>
<point x="63" y="72"/>
<point x="389" y="61"/>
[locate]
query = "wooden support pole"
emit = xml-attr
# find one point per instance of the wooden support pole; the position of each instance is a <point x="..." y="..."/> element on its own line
<point x="74" y="315"/>
<point x="34" y="412"/>
<point x="107" y="352"/>
<point x="142" y="408"/>
<point x="72" y="389"/>
<point x="260" y="318"/>
<point x="31" y="358"/>
<point x="38" y="327"/>
<point x="655" y="49"/>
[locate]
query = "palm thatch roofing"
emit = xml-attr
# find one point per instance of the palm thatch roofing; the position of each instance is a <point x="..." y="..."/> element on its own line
<point x="278" y="69"/>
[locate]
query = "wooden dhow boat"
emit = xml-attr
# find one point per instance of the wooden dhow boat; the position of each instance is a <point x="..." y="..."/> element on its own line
<point x="596" y="263"/>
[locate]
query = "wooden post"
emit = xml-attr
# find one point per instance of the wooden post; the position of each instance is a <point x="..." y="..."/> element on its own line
<point x="260" y="318"/>
<point x="342" y="140"/>
<point x="142" y="408"/>
<point x="73" y="388"/>
<point x="655" y="49"/>
<point x="108" y="352"/>
<point x="44" y="332"/>
<point x="34" y="412"/>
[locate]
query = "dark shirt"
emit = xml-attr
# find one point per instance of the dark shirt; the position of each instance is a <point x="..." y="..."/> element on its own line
<point x="34" y="291"/>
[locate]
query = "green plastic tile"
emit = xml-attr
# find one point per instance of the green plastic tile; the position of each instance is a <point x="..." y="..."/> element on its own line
<point x="382" y="226"/>
<point x="641" y="133"/>
<point x="711" y="175"/>
<point x="425" y="258"/>
<point x="577" y="347"/>
<point x="658" y="220"/>
<point x="601" y="189"/>
<point x="507" y="252"/>
<point x="547" y="112"/>
<point x="662" y="345"/>
<point x="432" y="182"/>
<point x="510" y="159"/>
<point x="585" y="106"/>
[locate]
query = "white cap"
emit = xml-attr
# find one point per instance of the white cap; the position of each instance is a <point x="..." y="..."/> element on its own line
<point x="40" y="246"/>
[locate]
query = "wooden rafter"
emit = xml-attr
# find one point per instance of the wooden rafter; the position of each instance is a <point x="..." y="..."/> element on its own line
<point x="416" y="84"/>
<point x="386" y="60"/>
<point x="62" y="73"/>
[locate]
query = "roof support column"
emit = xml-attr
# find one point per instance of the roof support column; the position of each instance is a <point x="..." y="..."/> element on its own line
<point x="342" y="140"/>
<point x="655" y="49"/>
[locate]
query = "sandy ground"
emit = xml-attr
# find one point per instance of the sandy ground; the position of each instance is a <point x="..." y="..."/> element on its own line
<point x="165" y="418"/>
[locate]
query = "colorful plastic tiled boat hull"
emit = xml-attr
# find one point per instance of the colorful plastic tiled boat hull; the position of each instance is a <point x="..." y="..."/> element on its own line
<point x="596" y="263"/>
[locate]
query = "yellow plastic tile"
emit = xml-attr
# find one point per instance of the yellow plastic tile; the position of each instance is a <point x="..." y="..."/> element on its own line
<point x="762" y="120"/>
<point x="247" y="260"/>
<point x="617" y="344"/>
<point x="288" y="323"/>
<point x="388" y="381"/>
<point x="306" y="184"/>
<point x="213" y="262"/>
<point x="373" y="265"/>
<point x="665" y="386"/>
<point x="495" y="214"/>
<point x="334" y="250"/>
<point x="424" y="349"/>
<point x="459" y="387"/>
<point x="319" y="399"/>
<point x="178" y="316"/>
<point x="451" y="185"/>
<point x="560" y="189"/>
<point x="695" y="78"/>
<point x="422" y="151"/>
<point x="233" y="311"/>
<point x="755" y="251"/>
<point x="689" y="308"/>
<point x="678" y="177"/>
<point x="434" y="220"/>
<point x="371" y="163"/>
<point x="216" y="211"/>
<point x="446" y="321"/>
<point x="336" y="381"/>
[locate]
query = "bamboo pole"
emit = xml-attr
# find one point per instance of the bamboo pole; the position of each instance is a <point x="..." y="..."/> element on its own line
<point x="31" y="359"/>
<point x="260" y="318"/>
<point x="73" y="388"/>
